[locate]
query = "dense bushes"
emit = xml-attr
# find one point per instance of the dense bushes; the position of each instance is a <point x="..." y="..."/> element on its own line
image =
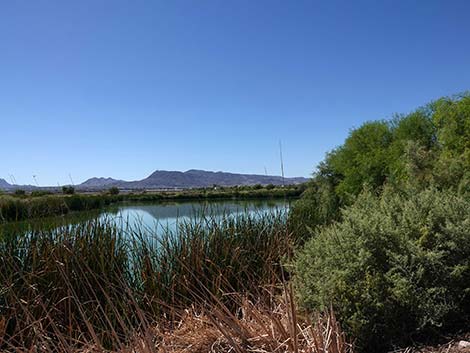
<point x="318" y="205"/>
<point x="388" y="218"/>
<point x="396" y="267"/>
<point x="428" y="147"/>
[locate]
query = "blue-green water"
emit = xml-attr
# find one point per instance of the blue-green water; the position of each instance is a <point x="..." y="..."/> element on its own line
<point x="153" y="216"/>
<point x="168" y="215"/>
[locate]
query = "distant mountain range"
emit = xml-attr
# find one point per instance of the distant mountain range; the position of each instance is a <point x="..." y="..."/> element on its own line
<point x="4" y="185"/>
<point x="162" y="179"/>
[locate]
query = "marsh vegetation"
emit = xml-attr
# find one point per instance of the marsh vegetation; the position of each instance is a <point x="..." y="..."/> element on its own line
<point x="379" y="242"/>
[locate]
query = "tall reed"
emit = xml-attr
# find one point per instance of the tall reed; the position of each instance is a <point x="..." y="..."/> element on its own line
<point x="101" y="285"/>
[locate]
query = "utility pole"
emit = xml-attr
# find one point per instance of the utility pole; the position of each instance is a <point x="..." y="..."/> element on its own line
<point x="282" y="163"/>
<point x="35" y="180"/>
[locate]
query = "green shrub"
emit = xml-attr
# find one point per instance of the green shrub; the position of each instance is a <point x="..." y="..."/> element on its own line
<point x="12" y="209"/>
<point x="319" y="205"/>
<point x="39" y="193"/>
<point x="396" y="268"/>
<point x="20" y="192"/>
<point x="45" y="206"/>
<point x="113" y="190"/>
<point x="68" y="190"/>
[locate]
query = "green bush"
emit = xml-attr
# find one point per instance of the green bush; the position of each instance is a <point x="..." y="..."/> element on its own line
<point x="318" y="205"/>
<point x="113" y="190"/>
<point x="68" y="190"/>
<point x="39" y="193"/>
<point x="45" y="206"/>
<point x="396" y="268"/>
<point x="20" y="192"/>
<point x="12" y="209"/>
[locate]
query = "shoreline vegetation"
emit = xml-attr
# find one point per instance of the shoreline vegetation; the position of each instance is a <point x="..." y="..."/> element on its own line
<point x="96" y="287"/>
<point x="376" y="251"/>
<point x="19" y="206"/>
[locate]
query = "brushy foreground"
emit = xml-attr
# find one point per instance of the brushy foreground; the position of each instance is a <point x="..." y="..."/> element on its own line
<point x="250" y="328"/>
<point x="396" y="268"/>
<point x="213" y="285"/>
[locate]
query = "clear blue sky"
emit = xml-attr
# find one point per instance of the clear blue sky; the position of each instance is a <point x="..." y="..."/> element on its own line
<point x="121" y="88"/>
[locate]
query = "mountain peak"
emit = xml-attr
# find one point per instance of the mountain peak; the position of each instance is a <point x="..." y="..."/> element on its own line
<point x="4" y="184"/>
<point x="99" y="182"/>
<point x="196" y="178"/>
<point x="197" y="171"/>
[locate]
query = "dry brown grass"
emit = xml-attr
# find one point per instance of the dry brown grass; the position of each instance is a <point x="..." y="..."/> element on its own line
<point x="254" y="328"/>
<point x="271" y="325"/>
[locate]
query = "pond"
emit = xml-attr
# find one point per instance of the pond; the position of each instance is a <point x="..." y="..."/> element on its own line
<point x="153" y="216"/>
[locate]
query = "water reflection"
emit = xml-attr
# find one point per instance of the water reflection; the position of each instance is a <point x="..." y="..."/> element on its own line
<point x="150" y="215"/>
<point x="168" y="215"/>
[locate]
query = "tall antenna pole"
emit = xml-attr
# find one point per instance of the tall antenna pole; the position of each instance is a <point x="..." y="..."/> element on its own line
<point x="71" y="180"/>
<point x="35" y="180"/>
<point x="282" y="162"/>
<point x="265" y="171"/>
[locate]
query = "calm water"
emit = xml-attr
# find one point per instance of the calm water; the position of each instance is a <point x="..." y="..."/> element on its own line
<point x="154" y="216"/>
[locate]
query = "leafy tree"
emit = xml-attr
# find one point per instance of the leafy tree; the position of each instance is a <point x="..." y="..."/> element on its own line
<point x="363" y="158"/>
<point x="318" y="205"/>
<point x="430" y="146"/>
<point x="452" y="120"/>
<point x="414" y="140"/>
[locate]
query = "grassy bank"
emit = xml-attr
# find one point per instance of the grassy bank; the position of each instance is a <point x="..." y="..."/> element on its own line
<point x="17" y="207"/>
<point x="212" y="282"/>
